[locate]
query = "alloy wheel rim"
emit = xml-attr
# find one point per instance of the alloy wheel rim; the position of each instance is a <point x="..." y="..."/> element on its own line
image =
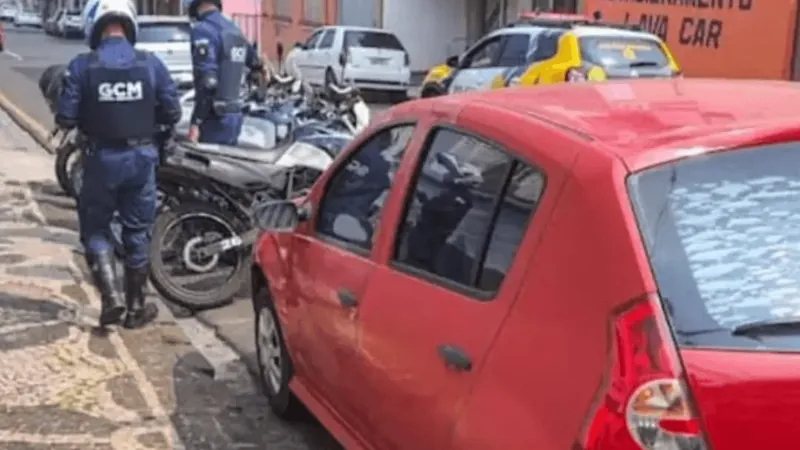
<point x="269" y="347"/>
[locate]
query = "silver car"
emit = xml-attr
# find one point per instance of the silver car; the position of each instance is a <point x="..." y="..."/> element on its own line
<point x="168" y="37"/>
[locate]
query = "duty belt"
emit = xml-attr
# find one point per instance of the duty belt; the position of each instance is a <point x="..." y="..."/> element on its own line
<point x="222" y="107"/>
<point x="122" y="143"/>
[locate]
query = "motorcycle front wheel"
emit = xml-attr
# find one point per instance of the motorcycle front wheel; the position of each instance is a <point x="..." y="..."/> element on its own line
<point x="178" y="270"/>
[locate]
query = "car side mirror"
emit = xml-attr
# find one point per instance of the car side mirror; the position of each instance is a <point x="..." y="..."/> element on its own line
<point x="300" y="45"/>
<point x="278" y="215"/>
<point x="452" y="62"/>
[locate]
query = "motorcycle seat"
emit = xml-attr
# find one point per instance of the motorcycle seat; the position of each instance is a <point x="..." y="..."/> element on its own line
<point x="249" y="153"/>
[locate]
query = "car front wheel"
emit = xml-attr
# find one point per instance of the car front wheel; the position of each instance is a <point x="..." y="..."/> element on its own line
<point x="274" y="364"/>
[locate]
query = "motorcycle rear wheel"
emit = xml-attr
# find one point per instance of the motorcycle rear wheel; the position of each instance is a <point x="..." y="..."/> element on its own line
<point x="226" y="226"/>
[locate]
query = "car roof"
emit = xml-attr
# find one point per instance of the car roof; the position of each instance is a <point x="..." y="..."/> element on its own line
<point x="649" y="122"/>
<point x="356" y="28"/>
<point x="162" y="19"/>
<point x="590" y="31"/>
<point x="578" y="31"/>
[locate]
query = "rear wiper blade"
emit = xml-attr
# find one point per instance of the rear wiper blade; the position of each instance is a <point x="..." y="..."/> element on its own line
<point x="644" y="64"/>
<point x="789" y="325"/>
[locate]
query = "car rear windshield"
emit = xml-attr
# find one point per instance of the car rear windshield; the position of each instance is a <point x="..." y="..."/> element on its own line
<point x="722" y="232"/>
<point x="164" y="32"/>
<point x="372" y="39"/>
<point x="623" y="52"/>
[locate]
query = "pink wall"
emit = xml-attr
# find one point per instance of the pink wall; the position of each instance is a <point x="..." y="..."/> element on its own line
<point x="246" y="13"/>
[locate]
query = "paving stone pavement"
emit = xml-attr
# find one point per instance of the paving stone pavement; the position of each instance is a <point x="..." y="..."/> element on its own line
<point x="66" y="386"/>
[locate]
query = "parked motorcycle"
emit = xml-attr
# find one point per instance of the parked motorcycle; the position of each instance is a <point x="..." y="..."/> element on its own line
<point x="200" y="250"/>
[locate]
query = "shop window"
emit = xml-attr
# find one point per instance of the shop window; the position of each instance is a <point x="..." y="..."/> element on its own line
<point x="314" y="11"/>
<point x="283" y="8"/>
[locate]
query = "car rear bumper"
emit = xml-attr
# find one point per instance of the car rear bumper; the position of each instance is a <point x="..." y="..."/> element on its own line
<point x="182" y="78"/>
<point x="383" y="79"/>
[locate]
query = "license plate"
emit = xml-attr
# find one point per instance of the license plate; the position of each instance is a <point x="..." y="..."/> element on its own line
<point x="379" y="61"/>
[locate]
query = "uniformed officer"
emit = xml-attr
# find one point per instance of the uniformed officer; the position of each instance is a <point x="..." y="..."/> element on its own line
<point x="117" y="96"/>
<point x="220" y="57"/>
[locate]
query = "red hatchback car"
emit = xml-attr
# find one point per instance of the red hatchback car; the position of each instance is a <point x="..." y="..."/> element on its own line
<point x="608" y="266"/>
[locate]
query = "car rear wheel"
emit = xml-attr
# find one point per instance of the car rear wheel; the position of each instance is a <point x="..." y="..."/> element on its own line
<point x="274" y="365"/>
<point x="431" y="91"/>
<point x="398" y="97"/>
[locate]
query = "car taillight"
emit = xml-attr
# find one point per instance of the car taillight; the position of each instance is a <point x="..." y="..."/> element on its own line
<point x="408" y="60"/>
<point x="575" y="76"/>
<point x="644" y="404"/>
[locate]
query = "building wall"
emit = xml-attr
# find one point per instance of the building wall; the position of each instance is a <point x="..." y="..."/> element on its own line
<point x="430" y="31"/>
<point x="246" y="13"/>
<point x="286" y="21"/>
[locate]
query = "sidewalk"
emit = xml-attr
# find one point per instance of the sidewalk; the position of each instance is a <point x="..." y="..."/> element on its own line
<point x="63" y="386"/>
<point x="66" y="386"/>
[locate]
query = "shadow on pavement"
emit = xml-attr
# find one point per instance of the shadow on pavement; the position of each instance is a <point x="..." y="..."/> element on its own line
<point x="211" y="414"/>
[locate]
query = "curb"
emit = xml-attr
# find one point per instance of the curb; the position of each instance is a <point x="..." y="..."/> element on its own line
<point x="27" y="123"/>
<point x="252" y="365"/>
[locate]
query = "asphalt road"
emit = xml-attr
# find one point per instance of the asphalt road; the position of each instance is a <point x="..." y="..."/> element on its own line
<point x="28" y="53"/>
<point x="182" y="360"/>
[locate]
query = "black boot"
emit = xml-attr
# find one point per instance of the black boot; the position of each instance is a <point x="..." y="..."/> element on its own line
<point x="104" y="275"/>
<point x="139" y="313"/>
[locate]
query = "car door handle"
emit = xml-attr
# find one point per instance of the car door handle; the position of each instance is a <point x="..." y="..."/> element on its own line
<point x="455" y="358"/>
<point x="347" y="298"/>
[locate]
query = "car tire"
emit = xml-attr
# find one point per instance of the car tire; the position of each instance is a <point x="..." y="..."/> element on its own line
<point x="270" y="344"/>
<point x="431" y="91"/>
<point x="398" y="97"/>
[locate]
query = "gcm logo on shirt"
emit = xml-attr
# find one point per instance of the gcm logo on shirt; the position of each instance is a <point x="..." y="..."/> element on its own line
<point x="120" y="92"/>
<point x="238" y="54"/>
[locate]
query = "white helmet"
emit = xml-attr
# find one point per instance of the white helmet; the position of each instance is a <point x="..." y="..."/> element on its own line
<point x="98" y="13"/>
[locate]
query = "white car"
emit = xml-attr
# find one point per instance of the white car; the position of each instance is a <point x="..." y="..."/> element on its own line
<point x="70" y="24"/>
<point x="168" y="37"/>
<point x="28" y="19"/>
<point x="8" y="11"/>
<point x="370" y="58"/>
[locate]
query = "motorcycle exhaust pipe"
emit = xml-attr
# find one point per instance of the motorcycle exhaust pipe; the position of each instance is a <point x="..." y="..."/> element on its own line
<point x="245" y="239"/>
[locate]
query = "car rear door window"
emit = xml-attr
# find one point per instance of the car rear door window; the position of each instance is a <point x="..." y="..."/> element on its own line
<point x="350" y="209"/>
<point x="722" y="236"/>
<point x="516" y="208"/>
<point x="372" y="39"/>
<point x="163" y="32"/>
<point x="327" y="39"/>
<point x="546" y="45"/>
<point x="470" y="204"/>
<point x="515" y="50"/>
<point x="623" y="52"/>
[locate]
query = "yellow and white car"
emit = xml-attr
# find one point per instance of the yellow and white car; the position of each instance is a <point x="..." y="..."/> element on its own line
<point x="592" y="53"/>
<point x="550" y="48"/>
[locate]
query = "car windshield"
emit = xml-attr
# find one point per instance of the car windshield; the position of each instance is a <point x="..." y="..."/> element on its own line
<point x="163" y="32"/>
<point x="623" y="52"/>
<point x="372" y="39"/>
<point x="722" y="232"/>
